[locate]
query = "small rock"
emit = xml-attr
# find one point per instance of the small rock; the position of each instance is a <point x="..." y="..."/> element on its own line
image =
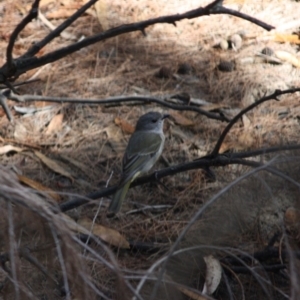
<point x="224" y="45"/>
<point x="226" y="66"/>
<point x="164" y="72"/>
<point x="267" y="51"/>
<point x="184" y="68"/>
<point x="242" y="33"/>
<point x="236" y="41"/>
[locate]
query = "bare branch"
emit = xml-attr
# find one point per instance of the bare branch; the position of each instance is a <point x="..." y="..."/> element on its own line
<point x="26" y="63"/>
<point x="55" y="33"/>
<point x="116" y="100"/>
<point x="223" y="10"/>
<point x="11" y="68"/>
<point x="244" y="111"/>
<point x="19" y="83"/>
<point x="220" y="160"/>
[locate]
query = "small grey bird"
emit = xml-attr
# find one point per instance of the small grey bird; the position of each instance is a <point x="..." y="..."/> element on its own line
<point x="143" y="150"/>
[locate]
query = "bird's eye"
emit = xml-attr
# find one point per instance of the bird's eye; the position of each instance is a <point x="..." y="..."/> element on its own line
<point x="153" y="121"/>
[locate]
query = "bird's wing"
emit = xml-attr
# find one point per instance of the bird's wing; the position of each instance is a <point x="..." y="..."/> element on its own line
<point x="138" y="152"/>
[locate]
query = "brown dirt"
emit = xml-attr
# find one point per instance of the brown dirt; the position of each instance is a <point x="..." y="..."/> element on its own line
<point x="89" y="145"/>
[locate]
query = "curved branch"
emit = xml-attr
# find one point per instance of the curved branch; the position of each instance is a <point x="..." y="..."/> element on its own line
<point x="25" y="63"/>
<point x="205" y="162"/>
<point x="118" y="99"/>
<point x="57" y="31"/>
<point x="244" y="111"/>
<point x="31" y="15"/>
<point x="223" y="10"/>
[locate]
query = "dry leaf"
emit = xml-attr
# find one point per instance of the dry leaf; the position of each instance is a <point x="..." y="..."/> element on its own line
<point x="288" y="57"/>
<point x="124" y="125"/>
<point x="81" y="166"/>
<point x="190" y="294"/>
<point x="72" y="225"/>
<point x="101" y="7"/>
<point x="115" y="138"/>
<point x="53" y="165"/>
<point x="108" y="235"/>
<point x="226" y="146"/>
<point x="39" y="187"/>
<point x="9" y="148"/>
<point x="292" y="216"/>
<point x="246" y="121"/>
<point x="61" y="13"/>
<point x="245" y="140"/>
<point x="213" y="275"/>
<point x="20" y="133"/>
<point x="44" y="3"/>
<point x="181" y="120"/>
<point x="55" y="124"/>
<point x="290" y="38"/>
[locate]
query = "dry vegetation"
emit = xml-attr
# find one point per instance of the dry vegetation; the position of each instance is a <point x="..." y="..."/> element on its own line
<point x="76" y="149"/>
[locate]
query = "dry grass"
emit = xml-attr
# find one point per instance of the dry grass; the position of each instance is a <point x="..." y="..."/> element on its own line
<point x="89" y="145"/>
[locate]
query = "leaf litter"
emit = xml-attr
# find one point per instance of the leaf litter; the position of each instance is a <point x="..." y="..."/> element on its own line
<point x="97" y="137"/>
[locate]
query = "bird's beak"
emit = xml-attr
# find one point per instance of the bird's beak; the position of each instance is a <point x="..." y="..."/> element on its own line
<point x="165" y="116"/>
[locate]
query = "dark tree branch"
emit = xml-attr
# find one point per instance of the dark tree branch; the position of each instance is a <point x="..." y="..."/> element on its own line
<point x="223" y="10"/>
<point x="112" y="100"/>
<point x="269" y="258"/>
<point x="272" y="268"/>
<point x="11" y="67"/>
<point x="26" y="63"/>
<point x="18" y="84"/>
<point x="205" y="162"/>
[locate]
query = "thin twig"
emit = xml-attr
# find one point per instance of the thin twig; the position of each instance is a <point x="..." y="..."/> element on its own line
<point x="219" y="161"/>
<point x="223" y="10"/>
<point x="62" y="262"/>
<point x="25" y="253"/>
<point x="56" y="32"/>
<point x="118" y="99"/>
<point x="20" y="83"/>
<point x="236" y="278"/>
<point x="244" y="111"/>
<point x="269" y="268"/>
<point x="151" y="208"/>
<point x="97" y="213"/>
<point x="9" y="58"/>
<point x="12" y="249"/>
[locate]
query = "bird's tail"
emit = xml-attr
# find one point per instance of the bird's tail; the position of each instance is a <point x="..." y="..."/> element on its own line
<point x="118" y="198"/>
